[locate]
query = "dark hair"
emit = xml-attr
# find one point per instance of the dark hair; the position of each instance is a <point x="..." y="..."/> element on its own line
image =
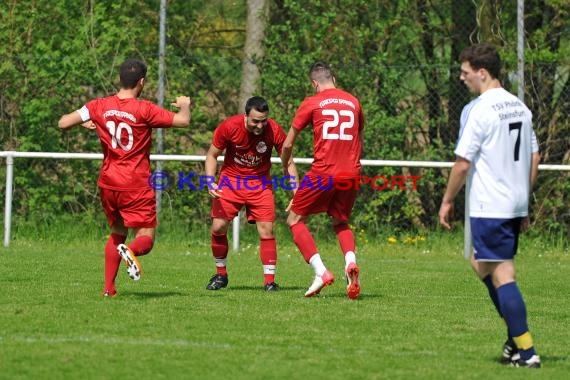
<point x="257" y="103"/>
<point x="131" y="71"/>
<point x="321" y="72"/>
<point x="482" y="56"/>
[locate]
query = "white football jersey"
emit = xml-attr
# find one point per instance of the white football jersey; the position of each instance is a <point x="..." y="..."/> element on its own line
<point x="496" y="136"/>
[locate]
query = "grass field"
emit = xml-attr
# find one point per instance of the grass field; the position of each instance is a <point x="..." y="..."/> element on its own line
<point x="422" y="314"/>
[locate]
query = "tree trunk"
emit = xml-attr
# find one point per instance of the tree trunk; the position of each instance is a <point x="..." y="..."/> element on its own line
<point x="257" y="16"/>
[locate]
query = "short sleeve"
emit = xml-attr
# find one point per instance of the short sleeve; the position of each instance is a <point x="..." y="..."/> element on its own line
<point x="158" y="117"/>
<point x="279" y="137"/>
<point x="303" y="116"/>
<point x="471" y="138"/>
<point x="219" y="139"/>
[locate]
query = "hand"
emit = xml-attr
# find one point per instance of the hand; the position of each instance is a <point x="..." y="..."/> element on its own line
<point x="89" y="125"/>
<point x="446" y="212"/>
<point x="525" y="224"/>
<point x="182" y="101"/>
<point x="214" y="191"/>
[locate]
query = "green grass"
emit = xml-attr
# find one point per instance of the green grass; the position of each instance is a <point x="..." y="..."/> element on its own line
<point x="422" y="314"/>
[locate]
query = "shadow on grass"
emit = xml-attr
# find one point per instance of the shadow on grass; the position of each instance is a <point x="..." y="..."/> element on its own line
<point x="548" y="359"/>
<point x="326" y="293"/>
<point x="150" y="295"/>
<point x="250" y="288"/>
<point x="543" y="358"/>
<point x="260" y="287"/>
<point x="363" y="296"/>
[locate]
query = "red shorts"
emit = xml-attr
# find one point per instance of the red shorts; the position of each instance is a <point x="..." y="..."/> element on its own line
<point x="319" y="193"/>
<point x="258" y="201"/>
<point x="137" y="208"/>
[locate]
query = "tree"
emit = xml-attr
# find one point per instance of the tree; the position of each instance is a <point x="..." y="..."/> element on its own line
<point x="253" y="52"/>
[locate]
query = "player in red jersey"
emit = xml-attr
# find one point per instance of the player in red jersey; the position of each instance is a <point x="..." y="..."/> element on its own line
<point x="248" y="140"/>
<point x="338" y="121"/>
<point x="124" y="125"/>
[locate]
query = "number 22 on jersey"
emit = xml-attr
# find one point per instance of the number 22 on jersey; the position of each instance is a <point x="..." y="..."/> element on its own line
<point x="116" y="132"/>
<point x="346" y="123"/>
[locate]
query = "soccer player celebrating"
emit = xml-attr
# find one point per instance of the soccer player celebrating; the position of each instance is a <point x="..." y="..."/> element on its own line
<point x="248" y="140"/>
<point x="497" y="154"/>
<point x="124" y="125"/>
<point x="338" y="122"/>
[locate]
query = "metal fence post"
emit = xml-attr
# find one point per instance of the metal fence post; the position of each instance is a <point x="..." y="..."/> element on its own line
<point x="235" y="234"/>
<point x="8" y="201"/>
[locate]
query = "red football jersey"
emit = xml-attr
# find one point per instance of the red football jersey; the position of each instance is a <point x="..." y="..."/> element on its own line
<point x="337" y="121"/>
<point x="247" y="154"/>
<point x="125" y="130"/>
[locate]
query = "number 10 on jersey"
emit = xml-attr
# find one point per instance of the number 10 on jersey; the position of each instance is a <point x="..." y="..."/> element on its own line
<point x="116" y="132"/>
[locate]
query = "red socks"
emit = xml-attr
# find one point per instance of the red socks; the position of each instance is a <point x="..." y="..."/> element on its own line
<point x="345" y="238"/>
<point x="268" y="255"/>
<point x="304" y="240"/>
<point x="220" y="252"/>
<point x="141" y="245"/>
<point x="112" y="260"/>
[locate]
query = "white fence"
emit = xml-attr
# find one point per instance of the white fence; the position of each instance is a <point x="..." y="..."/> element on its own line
<point x="11" y="155"/>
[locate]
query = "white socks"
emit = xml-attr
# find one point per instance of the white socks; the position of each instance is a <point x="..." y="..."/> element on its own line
<point x="317" y="264"/>
<point x="350" y="257"/>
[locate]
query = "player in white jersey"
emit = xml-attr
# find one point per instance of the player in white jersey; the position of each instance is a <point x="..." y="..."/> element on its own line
<point x="498" y="121"/>
<point x="497" y="154"/>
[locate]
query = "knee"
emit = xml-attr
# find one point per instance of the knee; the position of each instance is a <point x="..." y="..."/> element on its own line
<point x="266" y="234"/>
<point x="339" y="227"/>
<point x="219" y="227"/>
<point x="293" y="219"/>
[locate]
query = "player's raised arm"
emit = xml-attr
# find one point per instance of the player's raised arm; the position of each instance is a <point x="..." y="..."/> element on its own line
<point x="183" y="116"/>
<point x="78" y="117"/>
<point x="70" y="120"/>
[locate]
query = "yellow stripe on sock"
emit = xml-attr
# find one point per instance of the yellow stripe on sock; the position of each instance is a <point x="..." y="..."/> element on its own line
<point x="524" y="341"/>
